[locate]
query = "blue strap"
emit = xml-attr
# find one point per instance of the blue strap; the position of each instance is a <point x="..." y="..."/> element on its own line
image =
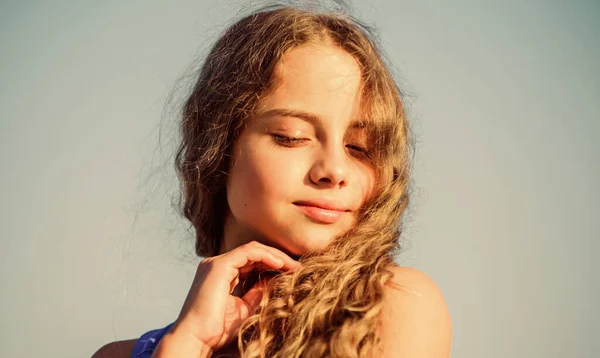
<point x="147" y="343"/>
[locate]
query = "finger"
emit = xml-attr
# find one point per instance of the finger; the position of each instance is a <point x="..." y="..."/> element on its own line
<point x="233" y="284"/>
<point x="289" y="263"/>
<point x="253" y="297"/>
<point x="241" y="261"/>
<point x="249" y="267"/>
<point x="246" y="254"/>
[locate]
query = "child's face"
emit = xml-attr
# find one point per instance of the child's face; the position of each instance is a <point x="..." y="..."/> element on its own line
<point x="275" y="184"/>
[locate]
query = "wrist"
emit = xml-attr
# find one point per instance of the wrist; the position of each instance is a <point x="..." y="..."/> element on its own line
<point x="177" y="346"/>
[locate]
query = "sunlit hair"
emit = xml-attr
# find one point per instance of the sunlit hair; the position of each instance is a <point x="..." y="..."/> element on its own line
<point x="331" y="306"/>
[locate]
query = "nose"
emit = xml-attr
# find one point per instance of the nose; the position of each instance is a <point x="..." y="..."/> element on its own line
<point x="330" y="169"/>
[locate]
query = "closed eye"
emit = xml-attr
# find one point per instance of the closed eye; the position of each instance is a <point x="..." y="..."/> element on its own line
<point x="359" y="149"/>
<point x="291" y="141"/>
<point x="288" y="140"/>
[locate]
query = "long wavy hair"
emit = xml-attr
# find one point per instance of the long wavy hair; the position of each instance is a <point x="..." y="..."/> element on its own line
<point x="330" y="307"/>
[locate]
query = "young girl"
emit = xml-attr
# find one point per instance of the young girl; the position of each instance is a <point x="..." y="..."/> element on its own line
<point x="294" y="165"/>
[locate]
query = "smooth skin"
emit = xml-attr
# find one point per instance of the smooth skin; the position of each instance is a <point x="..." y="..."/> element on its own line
<point x="316" y="152"/>
<point x="305" y="143"/>
<point x="211" y="314"/>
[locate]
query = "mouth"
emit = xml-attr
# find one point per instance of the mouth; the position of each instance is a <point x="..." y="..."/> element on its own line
<point x="323" y="213"/>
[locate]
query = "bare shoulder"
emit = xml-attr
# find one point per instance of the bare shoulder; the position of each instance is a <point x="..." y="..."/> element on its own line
<point x="119" y="349"/>
<point x="415" y="317"/>
<point x="411" y="279"/>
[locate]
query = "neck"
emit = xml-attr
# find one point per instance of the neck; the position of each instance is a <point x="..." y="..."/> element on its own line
<point x="234" y="234"/>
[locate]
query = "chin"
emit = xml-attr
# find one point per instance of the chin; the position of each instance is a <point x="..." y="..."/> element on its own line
<point x="300" y="246"/>
<point x="298" y="239"/>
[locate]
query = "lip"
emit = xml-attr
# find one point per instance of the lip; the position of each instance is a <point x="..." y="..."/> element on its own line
<point x="323" y="204"/>
<point x="322" y="211"/>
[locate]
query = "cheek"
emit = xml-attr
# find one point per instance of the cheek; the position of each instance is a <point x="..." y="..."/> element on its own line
<point x="366" y="181"/>
<point x="263" y="175"/>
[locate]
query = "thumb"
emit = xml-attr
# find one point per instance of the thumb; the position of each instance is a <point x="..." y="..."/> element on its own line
<point x="254" y="295"/>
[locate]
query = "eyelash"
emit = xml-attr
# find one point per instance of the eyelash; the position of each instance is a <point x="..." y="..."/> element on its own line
<point x="294" y="140"/>
<point x="284" y="139"/>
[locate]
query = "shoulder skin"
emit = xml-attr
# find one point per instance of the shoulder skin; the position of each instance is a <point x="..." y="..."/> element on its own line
<point x="415" y="319"/>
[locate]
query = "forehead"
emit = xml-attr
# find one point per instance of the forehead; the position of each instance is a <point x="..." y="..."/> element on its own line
<point x="320" y="79"/>
<point x="320" y="62"/>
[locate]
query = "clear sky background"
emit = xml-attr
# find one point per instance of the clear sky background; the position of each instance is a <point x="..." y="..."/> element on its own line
<point x="505" y="103"/>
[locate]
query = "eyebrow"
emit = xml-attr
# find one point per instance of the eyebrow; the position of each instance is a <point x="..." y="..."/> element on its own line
<point x="311" y="118"/>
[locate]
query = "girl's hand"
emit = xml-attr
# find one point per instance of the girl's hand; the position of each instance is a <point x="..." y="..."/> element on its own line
<point x="211" y="314"/>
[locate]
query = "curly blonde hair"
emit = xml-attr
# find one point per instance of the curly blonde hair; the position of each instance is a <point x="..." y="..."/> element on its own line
<point x="330" y="306"/>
